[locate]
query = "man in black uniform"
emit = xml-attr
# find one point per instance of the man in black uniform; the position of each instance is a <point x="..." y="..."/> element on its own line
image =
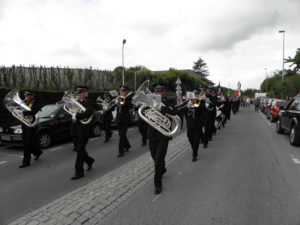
<point x="31" y="145"/>
<point x="143" y="126"/>
<point x="195" y="124"/>
<point x="210" y="116"/>
<point x="123" y="120"/>
<point x="158" y="143"/>
<point x="82" y="132"/>
<point x="107" y="118"/>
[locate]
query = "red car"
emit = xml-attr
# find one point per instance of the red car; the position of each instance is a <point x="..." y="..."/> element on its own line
<point x="275" y="109"/>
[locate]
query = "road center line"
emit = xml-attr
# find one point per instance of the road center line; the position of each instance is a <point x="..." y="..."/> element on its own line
<point x="297" y="161"/>
<point x="2" y="162"/>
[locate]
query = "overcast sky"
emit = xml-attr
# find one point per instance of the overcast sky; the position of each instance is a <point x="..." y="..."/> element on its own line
<point x="237" y="39"/>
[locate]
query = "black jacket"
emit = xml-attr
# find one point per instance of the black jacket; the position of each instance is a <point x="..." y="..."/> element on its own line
<point x="196" y="115"/>
<point x="77" y="128"/>
<point x="28" y="132"/>
<point x="123" y="115"/>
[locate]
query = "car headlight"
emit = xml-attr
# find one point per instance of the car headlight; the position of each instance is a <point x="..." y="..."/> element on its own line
<point x="18" y="131"/>
<point x="1" y="129"/>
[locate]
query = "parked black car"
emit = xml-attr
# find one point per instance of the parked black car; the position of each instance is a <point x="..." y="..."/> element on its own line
<point x="54" y="125"/>
<point x="289" y="120"/>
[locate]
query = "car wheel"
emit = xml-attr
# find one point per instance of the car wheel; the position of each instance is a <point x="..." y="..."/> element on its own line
<point x="294" y="137"/>
<point x="278" y="127"/>
<point x="44" y="139"/>
<point x="96" y="130"/>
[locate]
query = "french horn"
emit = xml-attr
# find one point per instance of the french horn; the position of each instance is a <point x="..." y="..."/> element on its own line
<point x="16" y="106"/>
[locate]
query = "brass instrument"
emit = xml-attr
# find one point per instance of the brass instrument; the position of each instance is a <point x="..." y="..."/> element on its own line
<point x="106" y="105"/>
<point x="195" y="102"/>
<point x="16" y="106"/>
<point x="72" y="106"/>
<point x="121" y="99"/>
<point x="162" y="123"/>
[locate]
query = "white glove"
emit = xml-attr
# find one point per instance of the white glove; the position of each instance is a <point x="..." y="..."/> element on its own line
<point x="74" y="117"/>
<point x="189" y="105"/>
<point x="17" y="111"/>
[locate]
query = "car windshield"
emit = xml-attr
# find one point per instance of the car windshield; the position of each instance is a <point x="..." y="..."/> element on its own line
<point x="48" y="111"/>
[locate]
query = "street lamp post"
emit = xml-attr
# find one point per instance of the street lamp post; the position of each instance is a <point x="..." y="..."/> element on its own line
<point x="283" y="32"/>
<point x="124" y="41"/>
<point x="266" y="80"/>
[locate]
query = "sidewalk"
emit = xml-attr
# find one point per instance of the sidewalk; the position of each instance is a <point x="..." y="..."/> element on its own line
<point x="91" y="203"/>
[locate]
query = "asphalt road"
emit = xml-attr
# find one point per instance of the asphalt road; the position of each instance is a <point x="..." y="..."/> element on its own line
<point x="249" y="175"/>
<point x="23" y="190"/>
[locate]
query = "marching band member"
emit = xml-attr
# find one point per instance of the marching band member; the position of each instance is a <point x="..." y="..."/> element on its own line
<point x="158" y="143"/>
<point x="107" y="118"/>
<point x="81" y="132"/>
<point x="143" y="127"/>
<point x="123" y="120"/>
<point x="31" y="146"/>
<point x="195" y="123"/>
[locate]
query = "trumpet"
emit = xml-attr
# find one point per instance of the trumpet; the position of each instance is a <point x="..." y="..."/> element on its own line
<point x="121" y="99"/>
<point x="16" y="106"/>
<point x="195" y="103"/>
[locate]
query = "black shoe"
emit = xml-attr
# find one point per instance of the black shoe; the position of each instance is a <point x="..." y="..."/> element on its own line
<point x="90" y="165"/>
<point x="38" y="156"/>
<point x="126" y="149"/>
<point x="210" y="139"/>
<point x="205" y="146"/>
<point x="77" y="176"/>
<point x="24" y="165"/>
<point x="105" y="141"/>
<point x="157" y="190"/>
<point x="194" y="158"/>
<point x="121" y="154"/>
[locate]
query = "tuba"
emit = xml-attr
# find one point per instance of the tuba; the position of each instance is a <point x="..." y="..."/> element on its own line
<point x="72" y="106"/>
<point x="16" y="106"/>
<point x="162" y="123"/>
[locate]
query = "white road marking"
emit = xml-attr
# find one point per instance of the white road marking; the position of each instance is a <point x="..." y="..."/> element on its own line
<point x="264" y="117"/>
<point x="54" y="149"/>
<point x="155" y="199"/>
<point x="14" y="155"/>
<point x="295" y="160"/>
<point x="2" y="162"/>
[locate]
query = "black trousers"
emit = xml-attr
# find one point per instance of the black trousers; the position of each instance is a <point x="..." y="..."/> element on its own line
<point x="108" y="133"/>
<point x="31" y="145"/>
<point x="143" y="126"/>
<point x="123" y="142"/>
<point x="194" y="135"/>
<point x="158" y="150"/>
<point x="82" y="155"/>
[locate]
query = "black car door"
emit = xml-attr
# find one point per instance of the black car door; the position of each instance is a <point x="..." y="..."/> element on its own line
<point x="62" y="124"/>
<point x="286" y="115"/>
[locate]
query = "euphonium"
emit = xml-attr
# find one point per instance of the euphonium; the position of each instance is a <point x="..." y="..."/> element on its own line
<point x="106" y="105"/>
<point x="16" y="106"/>
<point x="73" y="107"/>
<point x="162" y="123"/>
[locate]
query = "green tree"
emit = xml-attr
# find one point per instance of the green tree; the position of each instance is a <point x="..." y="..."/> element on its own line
<point x="200" y="67"/>
<point x="295" y="61"/>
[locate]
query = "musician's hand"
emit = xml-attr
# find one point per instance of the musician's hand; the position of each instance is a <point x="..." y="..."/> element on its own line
<point x="189" y="105"/>
<point x="73" y="117"/>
